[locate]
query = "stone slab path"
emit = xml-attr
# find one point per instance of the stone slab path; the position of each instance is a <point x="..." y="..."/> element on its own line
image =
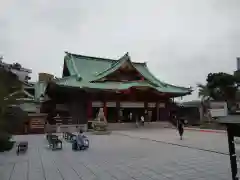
<point x="113" y="157"/>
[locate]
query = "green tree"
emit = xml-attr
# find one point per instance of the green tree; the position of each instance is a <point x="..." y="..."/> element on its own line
<point x="237" y="77"/>
<point x="8" y="84"/>
<point x="16" y="118"/>
<point x="203" y="91"/>
<point x="204" y="94"/>
<point x="222" y="86"/>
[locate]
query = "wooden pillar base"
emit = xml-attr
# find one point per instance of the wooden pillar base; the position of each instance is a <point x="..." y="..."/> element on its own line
<point x="157" y="110"/>
<point x="119" y="116"/>
<point x="89" y="110"/>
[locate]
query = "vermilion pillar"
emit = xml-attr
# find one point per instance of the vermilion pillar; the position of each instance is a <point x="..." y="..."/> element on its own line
<point x="89" y="110"/>
<point x="157" y="110"/>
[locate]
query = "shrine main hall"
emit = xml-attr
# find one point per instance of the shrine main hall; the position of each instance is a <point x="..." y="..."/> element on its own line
<point x="126" y="90"/>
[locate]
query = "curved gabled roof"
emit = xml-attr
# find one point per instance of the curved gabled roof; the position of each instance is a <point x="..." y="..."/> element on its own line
<point x="115" y="65"/>
<point x="85" y="70"/>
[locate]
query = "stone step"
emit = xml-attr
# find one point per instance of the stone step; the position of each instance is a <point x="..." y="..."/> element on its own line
<point x="111" y="126"/>
<point x="147" y="125"/>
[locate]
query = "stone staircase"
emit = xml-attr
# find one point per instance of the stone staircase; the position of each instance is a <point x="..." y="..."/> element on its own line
<point x="147" y="125"/>
<point x="111" y="126"/>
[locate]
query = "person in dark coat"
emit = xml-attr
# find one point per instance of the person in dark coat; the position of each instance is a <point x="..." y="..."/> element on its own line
<point x="180" y="127"/>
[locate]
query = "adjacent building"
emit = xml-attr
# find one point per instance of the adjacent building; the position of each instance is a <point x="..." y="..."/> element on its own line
<point x="27" y="99"/>
<point x="16" y="68"/>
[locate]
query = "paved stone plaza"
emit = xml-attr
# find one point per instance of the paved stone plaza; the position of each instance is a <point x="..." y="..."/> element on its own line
<point x="123" y="155"/>
<point x="216" y="142"/>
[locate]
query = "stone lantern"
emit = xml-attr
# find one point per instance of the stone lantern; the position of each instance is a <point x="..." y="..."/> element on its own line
<point x="232" y="123"/>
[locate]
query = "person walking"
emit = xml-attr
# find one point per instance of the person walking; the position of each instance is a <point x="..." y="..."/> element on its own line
<point x="180" y="127"/>
<point x="142" y="120"/>
<point x="137" y="123"/>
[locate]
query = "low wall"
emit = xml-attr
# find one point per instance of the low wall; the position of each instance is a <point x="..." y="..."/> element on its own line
<point x="67" y="128"/>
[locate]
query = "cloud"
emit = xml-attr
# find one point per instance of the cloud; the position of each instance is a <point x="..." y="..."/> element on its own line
<point x="182" y="41"/>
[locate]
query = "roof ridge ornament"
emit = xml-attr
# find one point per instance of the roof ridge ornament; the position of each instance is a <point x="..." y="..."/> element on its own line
<point x="75" y="69"/>
<point x="125" y="56"/>
<point x="79" y="78"/>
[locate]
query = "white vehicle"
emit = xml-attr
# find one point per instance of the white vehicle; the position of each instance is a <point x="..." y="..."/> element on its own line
<point x="218" y="109"/>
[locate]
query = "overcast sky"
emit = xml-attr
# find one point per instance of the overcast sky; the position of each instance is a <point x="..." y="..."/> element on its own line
<point x="181" y="40"/>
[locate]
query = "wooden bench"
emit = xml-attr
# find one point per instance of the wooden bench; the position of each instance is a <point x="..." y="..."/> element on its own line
<point x="54" y="142"/>
<point x="68" y="136"/>
<point x="22" y="147"/>
<point x="64" y="135"/>
<point x="51" y="136"/>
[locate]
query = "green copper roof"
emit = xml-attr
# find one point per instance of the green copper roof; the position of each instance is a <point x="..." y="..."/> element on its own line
<point x="39" y="89"/>
<point x="84" y="70"/>
<point x="72" y="81"/>
<point x="29" y="106"/>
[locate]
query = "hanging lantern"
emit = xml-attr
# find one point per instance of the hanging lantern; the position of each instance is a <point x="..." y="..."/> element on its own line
<point x="127" y="91"/>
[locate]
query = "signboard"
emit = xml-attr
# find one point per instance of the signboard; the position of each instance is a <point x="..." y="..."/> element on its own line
<point x="37" y="124"/>
<point x="111" y="104"/>
<point x="218" y="109"/>
<point x="161" y="105"/>
<point x="132" y="104"/>
<point x="152" y="105"/>
<point x="97" y="104"/>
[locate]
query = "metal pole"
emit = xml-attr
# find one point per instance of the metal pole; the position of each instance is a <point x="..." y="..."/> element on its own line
<point x="232" y="153"/>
